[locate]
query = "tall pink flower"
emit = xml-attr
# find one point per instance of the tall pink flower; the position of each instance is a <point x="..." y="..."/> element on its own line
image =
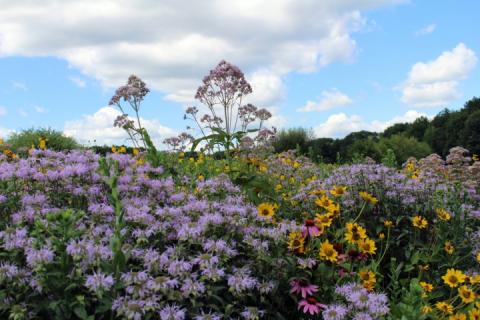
<point x="310" y="305"/>
<point x="310" y="229"/>
<point x="303" y="287"/>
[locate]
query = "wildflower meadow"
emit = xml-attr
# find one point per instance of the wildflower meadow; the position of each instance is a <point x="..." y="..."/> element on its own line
<point x="222" y="227"/>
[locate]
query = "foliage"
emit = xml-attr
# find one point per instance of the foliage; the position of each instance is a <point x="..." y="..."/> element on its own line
<point x="90" y="237"/>
<point x="291" y="139"/>
<point x="403" y="147"/>
<point x="28" y="138"/>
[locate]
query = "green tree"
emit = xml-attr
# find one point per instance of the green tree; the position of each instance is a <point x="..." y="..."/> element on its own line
<point x="471" y="133"/>
<point x="56" y="140"/>
<point x="418" y="128"/>
<point x="403" y="147"/>
<point x="291" y="139"/>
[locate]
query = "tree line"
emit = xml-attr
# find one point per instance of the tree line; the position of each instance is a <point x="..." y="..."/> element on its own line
<point x="396" y="143"/>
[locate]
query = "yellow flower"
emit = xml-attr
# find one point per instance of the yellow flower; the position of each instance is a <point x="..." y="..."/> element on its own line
<point x="324" y="220"/>
<point x="334" y="209"/>
<point x="475" y="157"/>
<point x="381" y="235"/>
<point x="419" y="222"/>
<point x="122" y="149"/>
<point x="42" y="144"/>
<point x="443" y="215"/>
<point x="296" y="242"/>
<point x="458" y="316"/>
<point x="453" y="278"/>
<point x="449" y="248"/>
<point x="135" y="152"/>
<point x="367" y="276"/>
<point x="474" y="314"/>
<point x="445" y="307"/>
<point x="1" y="141"/>
<point x="474" y="279"/>
<point x="266" y="210"/>
<point x="466" y="294"/>
<point x="427" y="287"/>
<point x="478" y="257"/>
<point x="328" y="252"/>
<point x="324" y="202"/>
<point x="368" y="279"/>
<point x="338" y="191"/>
<point x="388" y="223"/>
<point x="201" y="178"/>
<point x="9" y="154"/>
<point x="426" y="309"/>
<point x="114" y="150"/>
<point x="355" y="232"/>
<point x="368" y="197"/>
<point x="367" y="246"/>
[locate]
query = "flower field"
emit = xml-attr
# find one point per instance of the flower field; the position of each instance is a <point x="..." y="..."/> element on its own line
<point x="90" y="237"/>
<point x="233" y="230"/>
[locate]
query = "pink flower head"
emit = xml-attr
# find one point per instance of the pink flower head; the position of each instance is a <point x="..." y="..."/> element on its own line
<point x="303" y="287"/>
<point x="310" y="305"/>
<point x="310" y="229"/>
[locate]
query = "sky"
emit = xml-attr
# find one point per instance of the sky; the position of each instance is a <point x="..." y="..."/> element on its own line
<point x="330" y="66"/>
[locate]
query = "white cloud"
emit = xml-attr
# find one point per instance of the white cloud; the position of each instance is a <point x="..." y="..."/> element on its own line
<point x="98" y="129"/>
<point x="5" y="132"/>
<point x="426" y="30"/>
<point x="78" y="82"/>
<point x="339" y="125"/>
<point x="40" y="109"/>
<point x="435" y="83"/>
<point x="23" y="113"/>
<point x="277" y="120"/>
<point x="267" y="88"/>
<point x="329" y="99"/>
<point x="3" y="111"/>
<point x="16" y="84"/>
<point x="173" y="44"/>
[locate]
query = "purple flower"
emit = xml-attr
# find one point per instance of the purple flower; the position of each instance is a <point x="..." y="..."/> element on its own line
<point x="334" y="312"/>
<point x="172" y="312"/>
<point x="208" y="316"/>
<point x="35" y="257"/>
<point x="99" y="282"/>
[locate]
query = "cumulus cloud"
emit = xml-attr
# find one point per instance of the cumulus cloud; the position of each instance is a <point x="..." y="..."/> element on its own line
<point x="172" y="44"/>
<point x="435" y="83"/>
<point x="98" y="129"/>
<point x="267" y="88"/>
<point x="340" y="124"/>
<point x="329" y="99"/>
<point x="5" y="132"/>
<point x="40" y="109"/>
<point x="426" y="30"/>
<point x="78" y="82"/>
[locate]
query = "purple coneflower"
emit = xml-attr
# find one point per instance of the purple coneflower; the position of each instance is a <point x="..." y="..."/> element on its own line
<point x="310" y="305"/>
<point x="303" y="287"/>
<point x="310" y="229"/>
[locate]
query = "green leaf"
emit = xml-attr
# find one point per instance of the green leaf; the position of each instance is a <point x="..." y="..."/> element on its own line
<point x="80" y="312"/>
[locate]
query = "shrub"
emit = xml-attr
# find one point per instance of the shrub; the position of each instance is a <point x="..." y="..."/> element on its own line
<point x="27" y="138"/>
<point x="404" y="147"/>
<point x="291" y="139"/>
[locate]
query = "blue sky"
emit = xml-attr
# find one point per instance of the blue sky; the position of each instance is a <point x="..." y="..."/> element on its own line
<point x="333" y="66"/>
